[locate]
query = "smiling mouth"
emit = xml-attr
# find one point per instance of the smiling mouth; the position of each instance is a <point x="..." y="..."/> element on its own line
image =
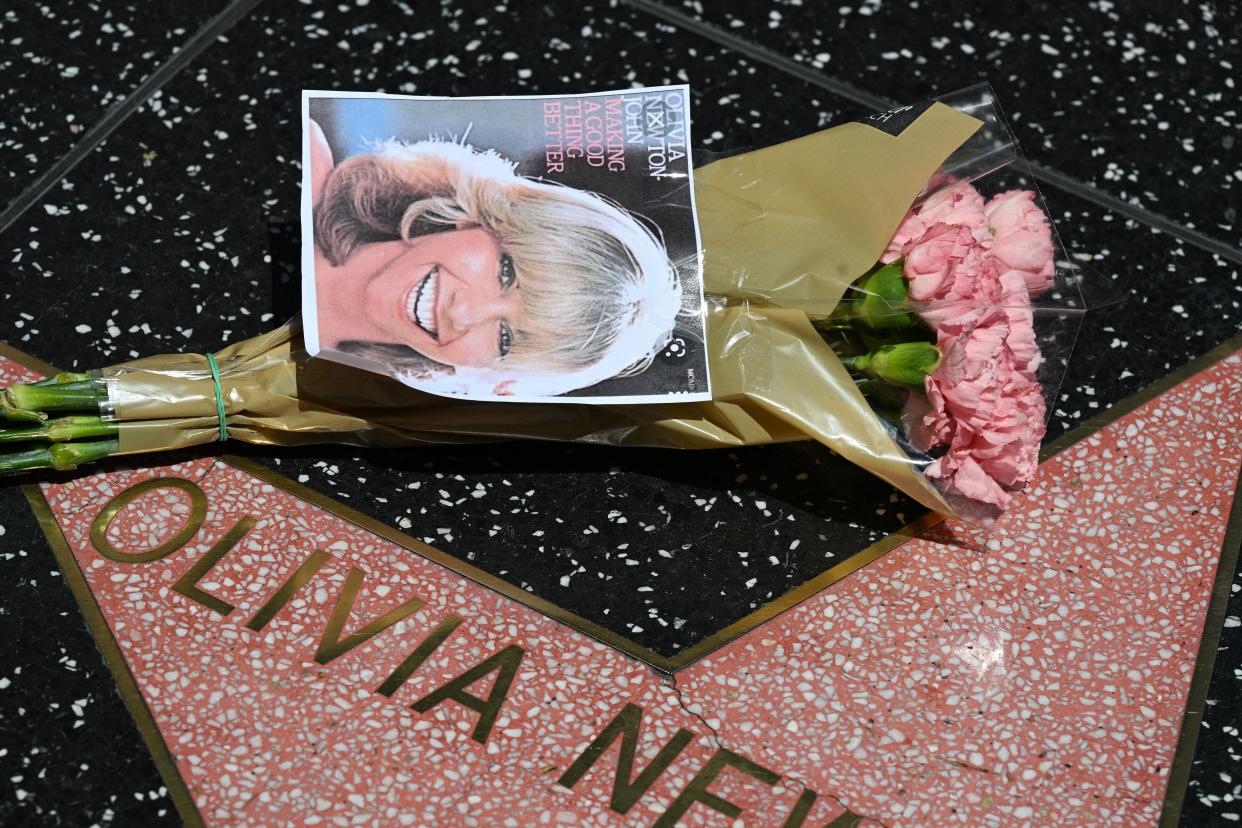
<point x="420" y="304"/>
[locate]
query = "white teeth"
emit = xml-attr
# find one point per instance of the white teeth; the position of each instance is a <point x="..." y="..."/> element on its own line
<point x="421" y="305"/>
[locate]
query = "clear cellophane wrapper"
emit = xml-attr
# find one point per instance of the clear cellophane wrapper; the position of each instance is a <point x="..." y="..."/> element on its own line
<point x="786" y="232"/>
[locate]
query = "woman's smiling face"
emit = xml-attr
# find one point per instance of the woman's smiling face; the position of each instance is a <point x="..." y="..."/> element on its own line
<point x="452" y="296"/>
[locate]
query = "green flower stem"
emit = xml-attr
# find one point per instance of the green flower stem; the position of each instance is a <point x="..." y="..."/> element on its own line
<point x="18" y="415"/>
<point x="82" y="395"/>
<point x="60" y="456"/>
<point x="60" y="430"/>
<point x="61" y="378"/>
<point x="904" y="365"/>
<point x="882" y="303"/>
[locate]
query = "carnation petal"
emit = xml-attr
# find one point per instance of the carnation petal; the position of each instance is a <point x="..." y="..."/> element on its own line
<point x="918" y="420"/>
<point x="972" y="481"/>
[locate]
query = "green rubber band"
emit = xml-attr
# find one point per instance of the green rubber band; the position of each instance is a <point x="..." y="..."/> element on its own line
<point x="220" y="416"/>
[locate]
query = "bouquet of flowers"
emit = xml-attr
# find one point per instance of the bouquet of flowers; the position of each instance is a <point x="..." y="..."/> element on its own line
<point x="860" y="290"/>
<point x="961" y="271"/>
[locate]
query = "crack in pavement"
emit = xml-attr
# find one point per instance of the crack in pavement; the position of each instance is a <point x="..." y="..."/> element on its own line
<point x="670" y="680"/>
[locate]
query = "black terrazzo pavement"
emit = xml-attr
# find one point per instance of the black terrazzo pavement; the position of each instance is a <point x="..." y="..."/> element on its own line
<point x="160" y="239"/>
<point x="69" y="751"/>
<point x="63" y="64"/>
<point x="1141" y="99"/>
<point x="180" y="233"/>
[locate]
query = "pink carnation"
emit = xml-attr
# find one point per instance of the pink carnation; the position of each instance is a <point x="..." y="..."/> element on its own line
<point x="972" y="287"/>
<point x="988" y="464"/>
<point x="957" y="248"/>
<point x="1022" y="238"/>
<point x="931" y="258"/>
<point x="983" y="402"/>
<point x="972" y="284"/>
<point x="959" y="204"/>
<point x="972" y="268"/>
<point x="911" y="228"/>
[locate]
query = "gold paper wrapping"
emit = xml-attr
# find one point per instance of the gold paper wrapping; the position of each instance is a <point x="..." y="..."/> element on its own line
<point x="785" y="231"/>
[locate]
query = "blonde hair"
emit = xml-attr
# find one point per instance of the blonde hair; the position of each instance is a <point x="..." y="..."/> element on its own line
<point x="599" y="294"/>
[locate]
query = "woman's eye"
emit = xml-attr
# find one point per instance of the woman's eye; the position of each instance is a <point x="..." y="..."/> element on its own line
<point x="505" y="340"/>
<point x="508" y="276"/>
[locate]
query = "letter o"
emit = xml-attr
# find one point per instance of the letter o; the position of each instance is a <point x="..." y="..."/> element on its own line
<point x="198" y="513"/>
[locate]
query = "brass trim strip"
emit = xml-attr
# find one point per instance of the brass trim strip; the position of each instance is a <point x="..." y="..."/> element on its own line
<point x="444" y="559"/>
<point x="1205" y="662"/>
<point x="788" y="600"/>
<point x="1115" y="412"/>
<point x="929" y="519"/>
<point x="1200" y="681"/>
<point x="26" y="360"/>
<point x="127" y="686"/>
<point x="663" y="663"/>
<point x="799" y="594"/>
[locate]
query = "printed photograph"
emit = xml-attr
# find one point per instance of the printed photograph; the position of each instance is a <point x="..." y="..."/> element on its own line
<point x="516" y="249"/>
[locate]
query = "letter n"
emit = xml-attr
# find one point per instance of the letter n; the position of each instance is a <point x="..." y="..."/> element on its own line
<point x="626" y="791"/>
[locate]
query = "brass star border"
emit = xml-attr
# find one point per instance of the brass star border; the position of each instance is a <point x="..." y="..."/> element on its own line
<point x="180" y="793"/>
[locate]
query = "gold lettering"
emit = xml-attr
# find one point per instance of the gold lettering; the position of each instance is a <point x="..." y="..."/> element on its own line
<point x="697" y="791"/>
<point x="415" y="659"/>
<point x="198" y="513"/>
<point x="506" y="661"/>
<point x="187" y="584"/>
<point x="331" y="645"/>
<point x="800" y="809"/>
<point x="849" y="819"/>
<point x="626" y="791"/>
<point x="288" y="589"/>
